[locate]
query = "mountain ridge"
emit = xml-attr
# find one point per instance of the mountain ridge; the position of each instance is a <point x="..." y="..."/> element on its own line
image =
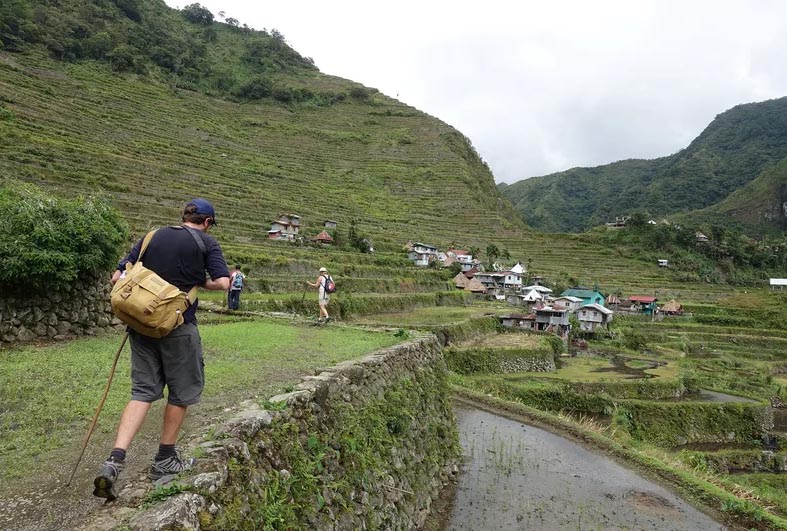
<point x="729" y="153"/>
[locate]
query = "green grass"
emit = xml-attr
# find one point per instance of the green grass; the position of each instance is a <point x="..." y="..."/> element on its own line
<point x="430" y="316"/>
<point x="49" y="393"/>
<point x="585" y="369"/>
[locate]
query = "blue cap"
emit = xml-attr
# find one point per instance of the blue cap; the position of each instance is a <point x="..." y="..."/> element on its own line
<point x="203" y="207"/>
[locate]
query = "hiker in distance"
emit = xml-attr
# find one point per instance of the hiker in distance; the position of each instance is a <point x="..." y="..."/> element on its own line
<point x="237" y="279"/>
<point x="325" y="287"/>
<point x="180" y="255"/>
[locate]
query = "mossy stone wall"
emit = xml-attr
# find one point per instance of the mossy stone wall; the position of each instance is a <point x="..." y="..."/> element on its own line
<point x="366" y="444"/>
<point x="79" y="309"/>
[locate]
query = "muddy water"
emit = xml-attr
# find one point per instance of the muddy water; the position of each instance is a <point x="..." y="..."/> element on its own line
<point x="518" y="477"/>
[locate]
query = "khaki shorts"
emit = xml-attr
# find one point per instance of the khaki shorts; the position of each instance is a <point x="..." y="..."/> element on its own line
<point x="174" y="361"/>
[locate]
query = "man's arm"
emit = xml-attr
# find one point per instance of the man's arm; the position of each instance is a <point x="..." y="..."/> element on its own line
<point x="217" y="268"/>
<point x="218" y="284"/>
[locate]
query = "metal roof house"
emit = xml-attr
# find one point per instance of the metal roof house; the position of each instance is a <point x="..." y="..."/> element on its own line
<point x="593" y="316"/>
<point x="587" y="295"/>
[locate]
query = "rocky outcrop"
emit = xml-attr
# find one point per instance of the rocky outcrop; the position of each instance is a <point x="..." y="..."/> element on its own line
<point x="80" y="309"/>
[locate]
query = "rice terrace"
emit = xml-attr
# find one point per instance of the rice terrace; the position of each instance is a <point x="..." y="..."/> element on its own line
<point x="600" y="348"/>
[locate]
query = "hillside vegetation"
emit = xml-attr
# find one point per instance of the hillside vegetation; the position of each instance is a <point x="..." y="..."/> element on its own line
<point x="732" y="151"/>
<point x="280" y="137"/>
<point x="758" y="208"/>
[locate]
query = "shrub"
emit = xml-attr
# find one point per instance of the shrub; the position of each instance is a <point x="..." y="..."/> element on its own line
<point x="256" y="88"/>
<point x="196" y="14"/>
<point x="47" y="242"/>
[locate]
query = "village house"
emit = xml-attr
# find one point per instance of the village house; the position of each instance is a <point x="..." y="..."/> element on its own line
<point x="663" y="263"/>
<point x="422" y="254"/>
<point x="778" y="283"/>
<point x="475" y="286"/>
<point x="572" y="303"/>
<point x="593" y="316"/>
<point x="700" y="237"/>
<point x="461" y="280"/>
<point x="497" y="282"/>
<point x="329" y="224"/>
<point x="643" y="303"/>
<point x="324" y="238"/>
<point x="588" y="296"/>
<point x="459" y="255"/>
<point x="672" y="307"/>
<point x="552" y="319"/>
<point x="620" y="222"/>
<point x="518" y="320"/>
<point x="285" y="227"/>
<point x="613" y="301"/>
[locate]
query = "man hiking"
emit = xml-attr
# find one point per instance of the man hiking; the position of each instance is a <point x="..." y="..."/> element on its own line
<point x="181" y="256"/>
<point x="237" y="279"/>
<point x="323" y="293"/>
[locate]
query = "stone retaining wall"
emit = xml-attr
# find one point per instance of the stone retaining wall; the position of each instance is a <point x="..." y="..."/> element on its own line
<point x="81" y="309"/>
<point x="366" y="444"/>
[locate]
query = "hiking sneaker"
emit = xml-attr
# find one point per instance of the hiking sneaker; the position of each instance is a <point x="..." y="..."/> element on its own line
<point x="107" y="478"/>
<point x="170" y="466"/>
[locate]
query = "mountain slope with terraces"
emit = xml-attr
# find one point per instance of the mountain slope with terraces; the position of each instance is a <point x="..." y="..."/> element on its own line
<point x="321" y="147"/>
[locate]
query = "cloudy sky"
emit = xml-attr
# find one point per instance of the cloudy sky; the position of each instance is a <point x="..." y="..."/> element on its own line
<point x="540" y="87"/>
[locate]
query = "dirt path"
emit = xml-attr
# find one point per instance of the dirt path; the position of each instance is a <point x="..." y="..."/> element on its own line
<point x="518" y="477"/>
<point x="44" y="503"/>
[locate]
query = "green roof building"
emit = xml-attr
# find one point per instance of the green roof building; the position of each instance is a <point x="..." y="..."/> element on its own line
<point x="587" y="295"/>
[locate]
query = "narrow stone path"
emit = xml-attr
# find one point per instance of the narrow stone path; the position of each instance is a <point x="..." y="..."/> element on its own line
<point x="518" y="477"/>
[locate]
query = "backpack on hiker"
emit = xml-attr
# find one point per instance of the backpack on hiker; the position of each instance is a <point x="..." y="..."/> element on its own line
<point x="237" y="280"/>
<point x="146" y="302"/>
<point x="329" y="286"/>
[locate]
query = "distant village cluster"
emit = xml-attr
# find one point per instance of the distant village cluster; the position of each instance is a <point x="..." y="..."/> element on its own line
<point x="545" y="311"/>
<point x="287" y="227"/>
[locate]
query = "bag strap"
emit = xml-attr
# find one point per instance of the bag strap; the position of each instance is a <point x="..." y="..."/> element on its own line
<point x="197" y="238"/>
<point x="145" y="243"/>
<point x="191" y="295"/>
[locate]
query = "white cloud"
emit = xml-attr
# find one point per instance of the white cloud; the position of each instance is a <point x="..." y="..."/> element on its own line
<point x="541" y="87"/>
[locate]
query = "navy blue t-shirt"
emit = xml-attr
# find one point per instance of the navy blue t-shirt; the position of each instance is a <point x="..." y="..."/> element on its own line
<point x="174" y="256"/>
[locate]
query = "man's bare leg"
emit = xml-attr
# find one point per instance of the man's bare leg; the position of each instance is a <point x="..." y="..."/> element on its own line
<point x="173" y="419"/>
<point x="130" y="421"/>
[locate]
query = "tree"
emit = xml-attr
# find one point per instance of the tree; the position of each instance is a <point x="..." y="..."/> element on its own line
<point x="473" y="251"/>
<point x="505" y="255"/>
<point x="357" y="240"/>
<point x="492" y="252"/>
<point x="196" y="14"/>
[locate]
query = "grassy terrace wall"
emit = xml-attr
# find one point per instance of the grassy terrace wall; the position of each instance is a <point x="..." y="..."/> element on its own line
<point x="363" y="445"/>
<point x="666" y="424"/>
<point x="471" y="360"/>
<point x="347" y="305"/>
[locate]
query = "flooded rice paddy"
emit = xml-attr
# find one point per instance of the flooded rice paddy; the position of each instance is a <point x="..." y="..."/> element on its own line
<point x="518" y="477"/>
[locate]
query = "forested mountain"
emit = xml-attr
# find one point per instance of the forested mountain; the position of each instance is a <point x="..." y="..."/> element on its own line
<point x="154" y="105"/>
<point x="731" y="152"/>
<point x="759" y="208"/>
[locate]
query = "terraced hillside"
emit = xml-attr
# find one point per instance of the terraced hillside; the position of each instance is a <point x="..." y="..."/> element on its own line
<point x="150" y="144"/>
<point x="81" y="128"/>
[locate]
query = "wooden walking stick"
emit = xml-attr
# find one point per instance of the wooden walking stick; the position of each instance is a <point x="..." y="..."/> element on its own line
<point x="98" y="410"/>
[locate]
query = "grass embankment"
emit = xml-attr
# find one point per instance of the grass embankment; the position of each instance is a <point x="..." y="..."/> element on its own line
<point x="49" y="393"/>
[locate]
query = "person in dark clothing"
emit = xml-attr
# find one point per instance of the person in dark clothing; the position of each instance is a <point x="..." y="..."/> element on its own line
<point x="173" y="361"/>
<point x="237" y="280"/>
